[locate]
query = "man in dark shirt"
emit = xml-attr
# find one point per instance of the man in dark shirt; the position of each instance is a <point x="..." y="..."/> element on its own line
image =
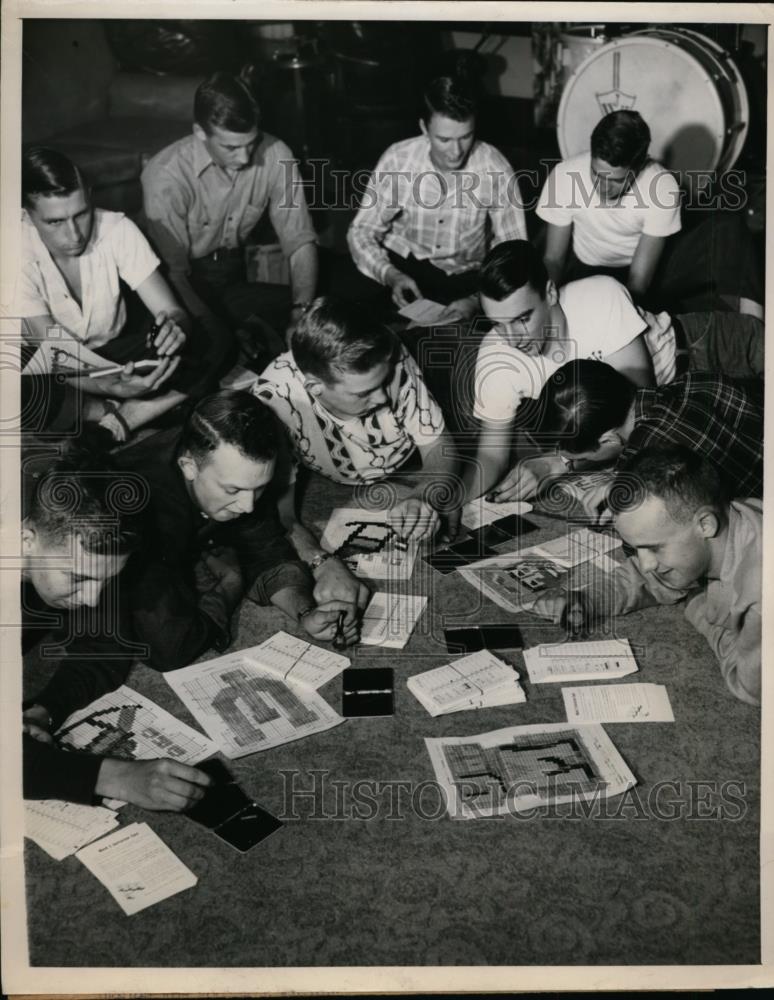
<point x="217" y="535"/>
<point x="76" y="539"/>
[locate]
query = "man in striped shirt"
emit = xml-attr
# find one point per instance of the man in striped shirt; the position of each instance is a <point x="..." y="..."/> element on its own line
<point x="434" y="206"/>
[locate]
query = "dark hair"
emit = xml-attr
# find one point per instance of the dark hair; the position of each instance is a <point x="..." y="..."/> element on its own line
<point x="233" y="417"/>
<point x="47" y="172"/>
<point x="226" y="101"/>
<point x="83" y="493"/>
<point x="450" y="97"/>
<point x="581" y="401"/>
<point x="509" y="266"/>
<point x="683" y="479"/>
<point x="622" y="139"/>
<point x="335" y="336"/>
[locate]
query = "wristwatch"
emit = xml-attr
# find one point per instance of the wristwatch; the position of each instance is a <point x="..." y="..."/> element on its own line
<point x="319" y="559"/>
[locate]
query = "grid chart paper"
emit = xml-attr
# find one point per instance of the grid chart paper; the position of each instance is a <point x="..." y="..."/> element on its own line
<point x="245" y="708"/>
<point x="123" y="723"/>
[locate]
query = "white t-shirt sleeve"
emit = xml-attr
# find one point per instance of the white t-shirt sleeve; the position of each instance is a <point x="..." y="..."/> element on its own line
<point x="601" y="316"/>
<point x="559" y="200"/>
<point x="132" y="253"/>
<point x="663" y="215"/>
<point x="504" y="377"/>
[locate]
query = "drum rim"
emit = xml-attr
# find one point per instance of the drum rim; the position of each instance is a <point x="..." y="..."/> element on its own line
<point x="728" y="151"/>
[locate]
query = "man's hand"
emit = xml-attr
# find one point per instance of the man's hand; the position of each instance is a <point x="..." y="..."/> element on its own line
<point x="169" y="338"/>
<point x="571" y="611"/>
<point x="593" y="498"/>
<point x="36" y="722"/>
<point x="127" y="385"/>
<point x="223" y="565"/>
<point x="414" y="520"/>
<point x="450" y="525"/>
<point x="334" y="582"/>
<point x="321" y="622"/>
<point x="404" y="289"/>
<point x="152" y="784"/>
<point x="523" y="480"/>
<point x="459" y="310"/>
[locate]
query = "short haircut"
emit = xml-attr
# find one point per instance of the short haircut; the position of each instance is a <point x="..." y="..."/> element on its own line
<point x="335" y="336"/>
<point x="48" y="173"/>
<point x="621" y="139"/>
<point x="512" y="265"/>
<point x="682" y="479"/>
<point x="450" y="97"/>
<point x="232" y="417"/>
<point x="225" y="101"/>
<point x="82" y="493"/>
<point x="581" y="401"/>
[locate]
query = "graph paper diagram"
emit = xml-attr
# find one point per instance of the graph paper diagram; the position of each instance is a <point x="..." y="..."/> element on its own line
<point x="525" y="767"/>
<point x="125" y="724"/>
<point x="367" y="543"/>
<point x="293" y="659"/>
<point x="547" y="766"/>
<point x="245" y="708"/>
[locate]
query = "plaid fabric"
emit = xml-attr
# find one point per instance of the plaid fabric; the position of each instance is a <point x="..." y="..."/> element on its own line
<point x="409" y="208"/>
<point x="716" y="416"/>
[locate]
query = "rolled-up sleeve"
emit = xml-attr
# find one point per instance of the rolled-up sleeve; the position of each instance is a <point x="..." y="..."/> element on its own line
<point x="287" y="203"/>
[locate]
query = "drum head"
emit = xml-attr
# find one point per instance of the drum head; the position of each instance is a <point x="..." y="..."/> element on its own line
<point x="672" y="90"/>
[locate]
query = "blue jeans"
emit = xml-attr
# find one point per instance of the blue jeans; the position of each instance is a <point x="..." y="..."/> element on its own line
<point x="727" y="342"/>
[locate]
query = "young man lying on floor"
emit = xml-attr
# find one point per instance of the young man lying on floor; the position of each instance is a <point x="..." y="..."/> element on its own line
<point x="692" y="542"/>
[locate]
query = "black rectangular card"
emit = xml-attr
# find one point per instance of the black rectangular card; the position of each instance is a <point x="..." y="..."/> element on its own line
<point x="504" y="530"/>
<point x="451" y="558"/>
<point x="367" y="692"/>
<point x="472" y="638"/>
<point x="249" y="827"/>
<point x="228" y="812"/>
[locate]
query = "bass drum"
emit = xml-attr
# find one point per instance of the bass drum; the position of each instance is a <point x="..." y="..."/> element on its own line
<point x="684" y="85"/>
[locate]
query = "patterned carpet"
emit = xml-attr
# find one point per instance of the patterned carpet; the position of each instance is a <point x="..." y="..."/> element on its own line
<point x="667" y="875"/>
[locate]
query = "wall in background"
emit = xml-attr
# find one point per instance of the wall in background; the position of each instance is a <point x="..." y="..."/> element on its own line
<point x="66" y="69"/>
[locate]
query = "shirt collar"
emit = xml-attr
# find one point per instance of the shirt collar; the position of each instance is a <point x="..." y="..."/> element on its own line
<point x="201" y="156"/>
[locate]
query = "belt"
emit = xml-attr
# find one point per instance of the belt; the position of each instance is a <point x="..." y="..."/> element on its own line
<point x="682" y="353"/>
<point x="223" y="253"/>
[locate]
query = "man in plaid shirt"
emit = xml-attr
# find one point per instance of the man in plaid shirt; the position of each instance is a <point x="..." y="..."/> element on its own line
<point x="597" y="415"/>
<point x="434" y="206"/>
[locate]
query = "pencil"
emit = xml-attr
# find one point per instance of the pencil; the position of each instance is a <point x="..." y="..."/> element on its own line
<point x="99" y="372"/>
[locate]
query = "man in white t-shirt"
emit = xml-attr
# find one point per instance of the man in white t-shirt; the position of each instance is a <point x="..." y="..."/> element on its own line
<point x="610" y="209"/>
<point x="536" y="329"/>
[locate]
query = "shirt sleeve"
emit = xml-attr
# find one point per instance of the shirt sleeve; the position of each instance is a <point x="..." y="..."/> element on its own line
<point x="165" y="204"/>
<point x="503" y="378"/>
<point x="624" y="322"/>
<point x="29" y="300"/>
<point x="287" y="204"/>
<point x="380" y="205"/>
<point x="418" y="412"/>
<point x="51" y="773"/>
<point x="132" y="253"/>
<point x="269" y="562"/>
<point x="507" y="216"/>
<point x="556" y="204"/>
<point x="663" y="215"/>
<point x="738" y="652"/>
<point x="631" y="590"/>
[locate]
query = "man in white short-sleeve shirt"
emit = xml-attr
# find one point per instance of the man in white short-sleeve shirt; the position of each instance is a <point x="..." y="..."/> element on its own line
<point x="69" y="297"/>
<point x="611" y="208"/>
<point x="117" y="250"/>
<point x="537" y="329"/>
